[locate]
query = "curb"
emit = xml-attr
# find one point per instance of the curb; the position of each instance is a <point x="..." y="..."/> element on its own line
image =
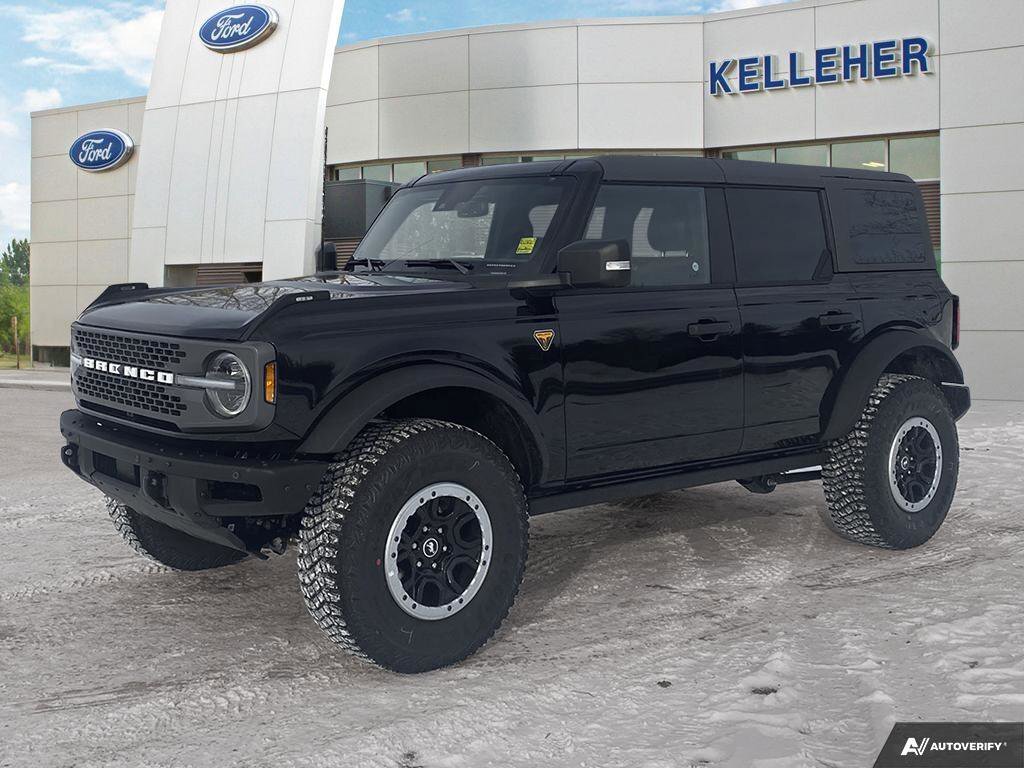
<point x="51" y="385"/>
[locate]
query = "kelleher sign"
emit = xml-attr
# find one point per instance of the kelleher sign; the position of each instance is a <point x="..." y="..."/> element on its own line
<point x="101" y="150"/>
<point x="833" y="64"/>
<point x="238" y="28"/>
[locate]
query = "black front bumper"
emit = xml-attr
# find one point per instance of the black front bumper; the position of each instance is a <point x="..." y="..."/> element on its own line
<point x="182" y="486"/>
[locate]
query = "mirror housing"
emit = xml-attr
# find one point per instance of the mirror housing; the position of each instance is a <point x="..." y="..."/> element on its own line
<point x="326" y="257"/>
<point x="596" y="263"/>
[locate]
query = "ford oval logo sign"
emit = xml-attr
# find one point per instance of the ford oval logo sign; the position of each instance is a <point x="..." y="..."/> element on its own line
<point x="101" y="150"/>
<point x="238" y="28"/>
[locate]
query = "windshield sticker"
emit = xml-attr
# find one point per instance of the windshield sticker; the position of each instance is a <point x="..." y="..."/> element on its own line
<point x="526" y="245"/>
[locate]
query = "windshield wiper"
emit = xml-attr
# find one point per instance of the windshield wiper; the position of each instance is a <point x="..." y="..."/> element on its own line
<point x="374" y="265"/>
<point x="445" y="262"/>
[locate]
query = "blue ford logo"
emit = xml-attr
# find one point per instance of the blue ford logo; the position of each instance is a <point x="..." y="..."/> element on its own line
<point x="238" y="28"/>
<point x="101" y="150"/>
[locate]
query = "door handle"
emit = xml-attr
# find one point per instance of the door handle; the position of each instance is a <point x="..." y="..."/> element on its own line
<point x="837" y="319"/>
<point x="708" y="330"/>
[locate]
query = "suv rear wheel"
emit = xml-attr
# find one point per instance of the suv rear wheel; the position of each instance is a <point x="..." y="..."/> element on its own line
<point x="891" y="480"/>
<point x="167" y="545"/>
<point x="412" y="550"/>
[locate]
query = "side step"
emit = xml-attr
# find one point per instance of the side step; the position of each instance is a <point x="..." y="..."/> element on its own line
<point x="768" y="483"/>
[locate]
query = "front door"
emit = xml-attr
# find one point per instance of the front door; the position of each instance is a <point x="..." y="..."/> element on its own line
<point x="653" y="372"/>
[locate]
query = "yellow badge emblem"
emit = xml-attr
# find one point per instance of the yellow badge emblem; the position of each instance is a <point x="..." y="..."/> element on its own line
<point x="544" y="338"/>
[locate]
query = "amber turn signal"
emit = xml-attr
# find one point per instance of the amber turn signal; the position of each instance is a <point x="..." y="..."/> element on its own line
<point x="270" y="382"/>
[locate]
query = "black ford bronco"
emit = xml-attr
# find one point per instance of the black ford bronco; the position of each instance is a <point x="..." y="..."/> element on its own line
<point x="513" y="340"/>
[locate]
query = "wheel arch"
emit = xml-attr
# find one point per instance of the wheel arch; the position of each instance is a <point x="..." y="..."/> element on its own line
<point x="443" y="392"/>
<point x="897" y="351"/>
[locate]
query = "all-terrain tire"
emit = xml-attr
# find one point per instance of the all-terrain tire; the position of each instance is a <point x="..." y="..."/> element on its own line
<point x="861" y="505"/>
<point x="347" y="523"/>
<point x="167" y="545"/>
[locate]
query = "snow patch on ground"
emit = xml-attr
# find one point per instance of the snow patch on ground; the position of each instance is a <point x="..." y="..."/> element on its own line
<point x="711" y="627"/>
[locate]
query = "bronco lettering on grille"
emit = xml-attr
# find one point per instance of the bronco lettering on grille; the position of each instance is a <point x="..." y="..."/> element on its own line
<point x="128" y="371"/>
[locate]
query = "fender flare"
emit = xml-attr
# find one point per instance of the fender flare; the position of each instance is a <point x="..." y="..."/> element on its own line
<point x="843" y="405"/>
<point x="359" y="406"/>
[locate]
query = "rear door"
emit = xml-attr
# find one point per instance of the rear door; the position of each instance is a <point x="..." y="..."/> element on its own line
<point x="800" y="321"/>
<point x="653" y="371"/>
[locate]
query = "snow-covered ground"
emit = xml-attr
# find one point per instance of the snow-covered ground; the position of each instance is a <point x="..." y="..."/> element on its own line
<point x="710" y="627"/>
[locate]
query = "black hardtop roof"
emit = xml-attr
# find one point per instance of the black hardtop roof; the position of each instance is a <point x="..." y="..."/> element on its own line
<point x="709" y="169"/>
<point x="667" y="168"/>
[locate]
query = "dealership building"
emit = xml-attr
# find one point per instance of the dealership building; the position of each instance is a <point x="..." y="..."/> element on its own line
<point x="930" y="88"/>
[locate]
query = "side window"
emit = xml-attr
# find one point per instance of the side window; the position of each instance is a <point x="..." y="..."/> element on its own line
<point x="778" y="235"/>
<point x="666" y="227"/>
<point x="886" y="227"/>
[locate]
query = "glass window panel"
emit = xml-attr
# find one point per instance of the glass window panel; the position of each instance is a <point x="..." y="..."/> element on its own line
<point x="763" y="155"/>
<point x="377" y="172"/>
<point x="778" y="235"/>
<point x="346" y="174"/>
<point x="859" y="154"/>
<point x="811" y="154"/>
<point x="666" y="228"/>
<point x="918" y="157"/>
<point x="405" y="172"/>
<point x="499" y="160"/>
<point x="444" y="164"/>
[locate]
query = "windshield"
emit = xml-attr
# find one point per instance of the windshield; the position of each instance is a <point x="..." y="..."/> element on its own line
<point x="490" y="226"/>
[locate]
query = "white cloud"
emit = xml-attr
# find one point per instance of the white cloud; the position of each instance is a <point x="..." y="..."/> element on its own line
<point x="114" y="36"/>
<point x="33" y="100"/>
<point x="737" y="5"/>
<point x="403" y="16"/>
<point x="8" y="130"/>
<point x="14" y="207"/>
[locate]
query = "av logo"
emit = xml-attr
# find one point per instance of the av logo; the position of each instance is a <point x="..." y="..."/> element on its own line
<point x="913" y="747"/>
<point x="544" y="338"/>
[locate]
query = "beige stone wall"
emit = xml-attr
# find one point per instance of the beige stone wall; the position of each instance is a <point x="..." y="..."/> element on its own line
<point x="982" y="146"/>
<point x="81" y="221"/>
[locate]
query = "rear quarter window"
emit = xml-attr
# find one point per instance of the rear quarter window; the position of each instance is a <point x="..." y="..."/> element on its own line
<point x="880" y="226"/>
<point x="885" y="227"/>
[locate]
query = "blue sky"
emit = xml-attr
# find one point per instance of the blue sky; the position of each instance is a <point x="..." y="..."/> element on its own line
<point x="74" y="52"/>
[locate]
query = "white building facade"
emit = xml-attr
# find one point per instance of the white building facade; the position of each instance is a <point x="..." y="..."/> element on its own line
<point x="931" y="88"/>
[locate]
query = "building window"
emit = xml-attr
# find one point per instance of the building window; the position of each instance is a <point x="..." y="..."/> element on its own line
<point x="917" y="156"/>
<point x="868" y="155"/>
<point x="406" y="172"/>
<point x="808" y="154"/>
<point x="444" y="164"/>
<point x="346" y="174"/>
<point x="377" y="172"/>
<point x="499" y="159"/>
<point x="759" y="154"/>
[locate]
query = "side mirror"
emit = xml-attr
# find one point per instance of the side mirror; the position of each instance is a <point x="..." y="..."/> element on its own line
<point x="326" y="258"/>
<point x="596" y="263"/>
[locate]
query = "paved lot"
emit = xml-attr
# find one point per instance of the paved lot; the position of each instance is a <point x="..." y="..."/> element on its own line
<point x="708" y="627"/>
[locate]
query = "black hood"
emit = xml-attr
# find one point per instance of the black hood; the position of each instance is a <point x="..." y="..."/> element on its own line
<point x="231" y="312"/>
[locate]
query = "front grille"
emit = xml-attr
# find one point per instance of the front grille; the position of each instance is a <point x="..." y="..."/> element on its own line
<point x="142" y="395"/>
<point x="127" y="349"/>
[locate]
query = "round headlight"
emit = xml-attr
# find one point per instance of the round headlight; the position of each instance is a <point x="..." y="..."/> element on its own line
<point x="230" y="384"/>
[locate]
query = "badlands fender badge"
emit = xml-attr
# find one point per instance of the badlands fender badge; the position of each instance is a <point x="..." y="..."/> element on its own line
<point x="544" y="338"/>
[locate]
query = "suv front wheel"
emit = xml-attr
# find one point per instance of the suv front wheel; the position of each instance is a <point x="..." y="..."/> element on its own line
<point x="891" y="480"/>
<point x="412" y="550"/>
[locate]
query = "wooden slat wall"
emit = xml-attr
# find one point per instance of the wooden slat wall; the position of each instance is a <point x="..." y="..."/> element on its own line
<point x="219" y="274"/>
<point x="930" y="193"/>
<point x="345" y="248"/>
